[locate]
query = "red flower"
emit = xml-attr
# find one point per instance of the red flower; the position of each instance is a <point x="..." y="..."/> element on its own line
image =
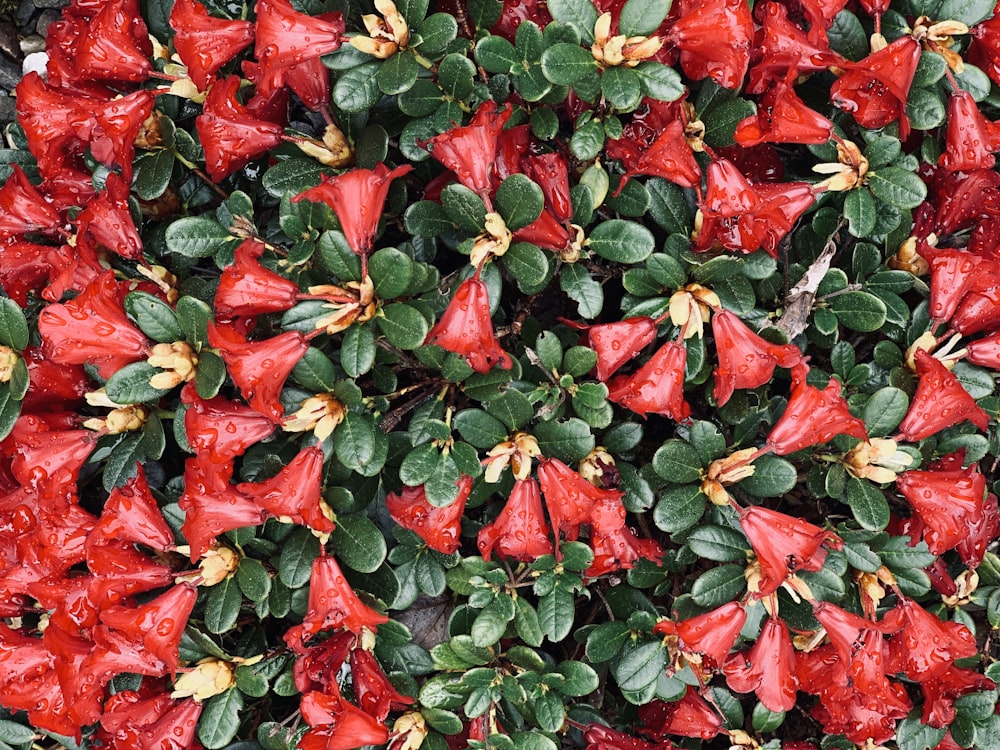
<point x="247" y="288"/>
<point x="745" y="359"/>
<point x="23" y="209"/>
<point x="294" y="492"/>
<point x="954" y="274"/>
<point x="657" y="387"/>
<point x="985" y="352"/>
<point x="92" y="328"/>
<point x="691" y="716"/>
<point x="48" y="460"/>
<point x="971" y="138"/>
<point x="546" y="232"/>
<point x="318" y="666"/>
<point x="768" y="668"/>
<point x="113" y="45"/>
<point x="782" y="117"/>
<point x="784" y="545"/>
<point x="571" y="500"/>
<point x="712" y="634"/>
<point x="332" y="604"/>
<point x="941" y="693"/>
<point x="984" y="52"/>
<point x="229" y="134"/>
<point x="939" y="403"/>
<point x="357" y="197"/>
<point x="617" y="343"/>
<point x="465" y="328"/>
<point x="220" y="430"/>
<point x="620" y="549"/>
<point x="438" y="527"/>
<point x="372" y="690"/>
<point x="983" y="529"/>
<point x="600" y="737"/>
<point x="469" y="151"/>
<point x="926" y="647"/>
<point x="812" y="416"/>
<point x="338" y="725"/>
<point x="979" y="310"/>
<point x="714" y="38"/>
<point x="24" y="267"/>
<point x="53" y="386"/>
<point x="259" y="368"/>
<point x="948" y="501"/>
<point x="204" y="43"/>
<point x="875" y="89"/>
<point x="287" y="37"/>
<point x="550" y="172"/>
<point x="131" y="514"/>
<point x="520" y="531"/>
<point x="785" y="47"/>
<point x="106" y="221"/>
<point x="668" y="156"/>
<point x="212" y="506"/>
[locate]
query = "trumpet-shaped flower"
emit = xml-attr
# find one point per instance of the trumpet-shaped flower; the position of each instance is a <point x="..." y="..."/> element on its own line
<point x="782" y="117"/>
<point x="372" y="690"/>
<point x="948" y="501"/>
<point x="690" y="716"/>
<point x="745" y="359"/>
<point x="470" y="150"/>
<point x="784" y="545"/>
<point x="131" y="514"/>
<point x="714" y="38"/>
<point x="768" y="669"/>
<point x="956" y="273"/>
<point x="106" y="221"/>
<point x="620" y="549"/>
<point x="212" y="505"/>
<point x="712" y="635"/>
<point x="926" y="647"/>
<point x="284" y="36"/>
<point x="294" y="493"/>
<point x="338" y="725"/>
<point x="971" y="138"/>
<point x="812" y="416"/>
<point x="113" y="45"/>
<point x="657" y="387"/>
<point x="205" y="43"/>
<point x="939" y="403"/>
<point x="438" y="527"/>
<point x="465" y="328"/>
<point x="247" y="288"/>
<point x="220" y="430"/>
<point x="985" y="352"/>
<point x="24" y="210"/>
<point x="519" y="531"/>
<point x="571" y="500"/>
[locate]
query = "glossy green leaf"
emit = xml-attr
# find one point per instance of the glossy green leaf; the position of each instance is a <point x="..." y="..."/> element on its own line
<point x="13" y="326"/>
<point x="621" y="241"/>
<point x="868" y="504"/>
<point x="358" y="543"/>
<point x="220" y="719"/>
<point x="519" y="201"/>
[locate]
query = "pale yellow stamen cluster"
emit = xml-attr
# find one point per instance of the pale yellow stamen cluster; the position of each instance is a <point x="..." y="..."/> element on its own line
<point x="320" y="413"/>
<point x="725" y="471"/>
<point x="211" y="676"/>
<point x="122" y="418"/>
<point x="939" y="37"/>
<point x="387" y="35"/>
<point x="217" y="563"/>
<point x="610" y="51"/>
<point x="927" y="342"/>
<point x="409" y="731"/>
<point x="334" y="151"/>
<point x="494" y="241"/>
<point x="516" y="453"/>
<point x="847" y="173"/>
<point x="694" y="131"/>
<point x="8" y="360"/>
<point x="691" y="308"/>
<point x="352" y="303"/>
<point x="178" y="362"/>
<point x="878" y="460"/>
<point x="966" y="582"/>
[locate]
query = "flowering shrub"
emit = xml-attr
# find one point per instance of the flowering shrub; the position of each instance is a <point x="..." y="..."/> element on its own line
<point x="616" y="375"/>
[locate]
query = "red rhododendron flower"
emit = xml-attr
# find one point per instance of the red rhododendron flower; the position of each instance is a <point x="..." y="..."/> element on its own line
<point x="926" y="647"/>
<point x="357" y="197"/>
<point x="229" y="134"/>
<point x="24" y="269"/>
<point x="782" y="117"/>
<point x="204" y="43"/>
<point x="287" y="37"/>
<point x="657" y="387"/>
<point x="617" y="343"/>
<point x="948" y="501"/>
<point x="985" y="351"/>
<point x="600" y="737"/>
<point x="465" y="328"/>
<point x="874" y="90"/>
<point x="220" y="430"/>
<point x="93" y="328"/>
<point x="514" y="13"/>
<point x="247" y="288"/>
<point x="23" y="209"/>
<point x="941" y="693"/>
<point x="114" y="45"/>
<point x="712" y="634"/>
<point x="745" y="359"/>
<point x="620" y="549"/>
<point x="714" y="39"/>
<point x="332" y="604"/>
<point x="294" y="493"/>
<point x="784" y="46"/>
<point x="784" y="545"/>
<point x="767" y="669"/>
<point x="438" y="527"/>
<point x="971" y="138"/>
<point x="53" y="386"/>
<point x="338" y="725"/>
<point x="546" y="232"/>
<point x="73" y="269"/>
<point x="939" y="403"/>
<point x="47" y="459"/>
<point x="213" y="506"/>
<point x="373" y="692"/>
<point x="106" y="221"/>
<point x="983" y="529"/>
<point x="131" y="514"/>
<point x="691" y="716"/>
<point x="469" y="150"/>
<point x="812" y="416"/>
<point x="551" y="173"/>
<point x="977" y="311"/>
<point x="318" y="666"/>
<point x="519" y="531"/>
<point x="571" y="500"/>
<point x="668" y="156"/>
<point x="259" y="368"/>
<point x="954" y="274"/>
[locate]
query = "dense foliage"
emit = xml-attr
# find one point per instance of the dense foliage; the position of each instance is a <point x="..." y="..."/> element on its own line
<point x="617" y="375"/>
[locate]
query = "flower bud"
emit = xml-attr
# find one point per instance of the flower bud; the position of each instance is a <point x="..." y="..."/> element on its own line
<point x="320" y="413"/>
<point x="8" y="359"/>
<point x="217" y="563"/>
<point x="494" y="241"/>
<point x="409" y="731"/>
<point x="210" y="677"/>
<point x="178" y="360"/>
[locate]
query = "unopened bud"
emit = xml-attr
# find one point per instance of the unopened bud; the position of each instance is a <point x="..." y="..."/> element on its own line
<point x="8" y="359"/>
<point x="209" y="677"/>
<point x="217" y="563"/>
<point x="320" y="413"/>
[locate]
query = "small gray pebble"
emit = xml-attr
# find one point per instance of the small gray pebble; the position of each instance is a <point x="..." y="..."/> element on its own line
<point x="32" y="43"/>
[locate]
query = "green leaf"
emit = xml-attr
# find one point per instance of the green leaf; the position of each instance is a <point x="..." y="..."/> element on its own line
<point x="604" y="641"/>
<point x="253" y="579"/>
<point x="437" y="32"/>
<point x="358" y="543"/>
<point x="578" y="285"/>
<point x="315" y="371"/>
<point x="860" y="212"/>
<point x="885" y="410"/>
<point x="550" y="712"/>
<point x="642" y="17"/>
<point x="718" y="543"/>
<point x="569" y="440"/>
<point x="580" y="13"/>
<point x="622" y="88"/>
<point x="13" y="326"/>
<point x="859" y="311"/>
<point x="621" y="241"/>
<point x="488" y="627"/>
<point x="847" y="36"/>
<point x="519" y="201"/>
<point x="969" y="12"/>
<point x="512" y="408"/>
<point x="912" y="735"/>
<point x="222" y="607"/>
<point x="897" y="187"/>
<point x="193" y="316"/>
<point x="130" y="385"/>
<point x="14" y="733"/>
<point x="154" y="317"/>
<point x="293" y="176"/>
<point x="581" y="679"/>
<point x="455" y="74"/>
<point x="868" y="504"/>
<point x="721" y="120"/>
<point x="898" y="554"/>
<point x="152" y="174"/>
<point x="464" y="207"/>
<point x="587" y="141"/>
<point x="677" y="462"/>
<point x="640" y="664"/>
<point x="496" y="54"/>
<point x="298" y="551"/>
<point x="772" y="477"/>
<point x="357" y="89"/>
<point x="479" y="428"/>
<point x="659" y="81"/>
<point x="528" y="265"/>
<point x="679" y="508"/>
<point x="397" y="73"/>
<point x="197" y="237"/>
<point x="669" y="208"/>
<point x="354" y="441"/>
<point x="565" y="64"/>
<point x="719" y="585"/>
<point x="403" y="325"/>
<point x="549" y="350"/>
<point x="121" y="464"/>
<point x="391" y="271"/>
<point x="526" y="623"/>
<point x="413" y="11"/>
<point x="210" y="376"/>
<point x="426" y="219"/>
<point x="220" y="719"/>
<point x="555" y="614"/>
